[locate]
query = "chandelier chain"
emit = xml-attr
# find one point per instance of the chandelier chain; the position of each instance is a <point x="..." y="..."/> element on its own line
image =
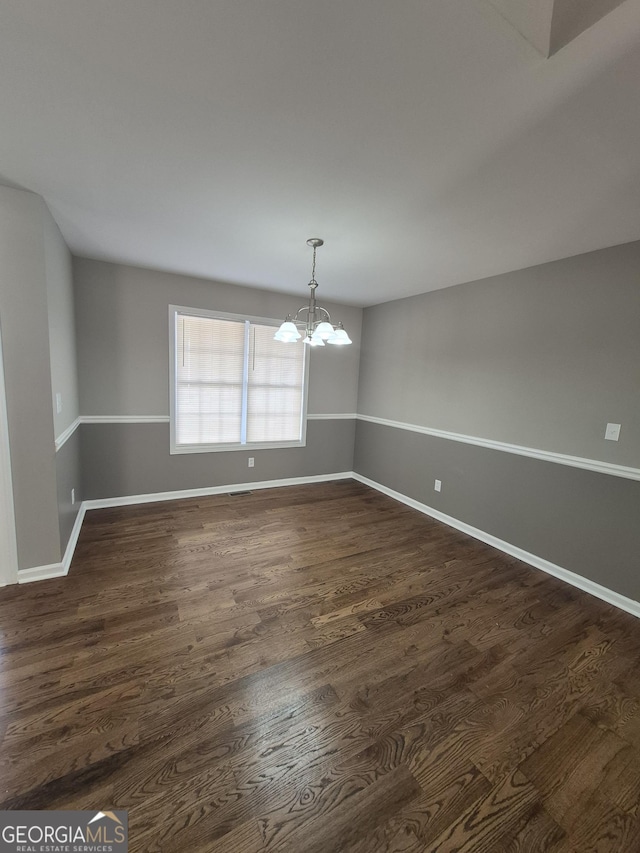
<point x="313" y="266"/>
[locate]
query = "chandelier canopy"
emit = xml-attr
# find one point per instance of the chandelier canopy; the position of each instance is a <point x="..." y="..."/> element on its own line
<point x="314" y="320"/>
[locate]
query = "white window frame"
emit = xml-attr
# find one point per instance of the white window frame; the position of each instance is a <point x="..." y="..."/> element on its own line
<point x="174" y="312"/>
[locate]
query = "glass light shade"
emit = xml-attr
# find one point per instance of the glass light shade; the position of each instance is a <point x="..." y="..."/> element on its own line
<point x="324" y="330"/>
<point x="287" y="333"/>
<point x="340" y="338"/>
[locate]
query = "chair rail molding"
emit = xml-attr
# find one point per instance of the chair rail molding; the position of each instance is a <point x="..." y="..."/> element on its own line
<point x="517" y="449"/>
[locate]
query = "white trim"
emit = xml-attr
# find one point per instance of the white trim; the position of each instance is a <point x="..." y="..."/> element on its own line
<point x="56" y="570"/>
<point x="124" y="419"/>
<point x="178" y="449"/>
<point x="62" y="439"/>
<point x="176" y="311"/>
<point x="8" y="541"/>
<point x="164" y="419"/>
<point x="340" y="416"/>
<point x="41" y="573"/>
<point x="61" y="569"/>
<point x="593" y="588"/>
<point x="545" y="455"/>
<point x="215" y="490"/>
<point x="595" y="465"/>
<point x="66" y="435"/>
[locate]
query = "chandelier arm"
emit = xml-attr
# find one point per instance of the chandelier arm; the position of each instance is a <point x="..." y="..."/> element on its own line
<point x="325" y="312"/>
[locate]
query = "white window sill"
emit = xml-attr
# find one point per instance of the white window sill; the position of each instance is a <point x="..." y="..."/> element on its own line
<point x="223" y="448"/>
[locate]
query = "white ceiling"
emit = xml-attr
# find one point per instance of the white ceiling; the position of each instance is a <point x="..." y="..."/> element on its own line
<point x="426" y="141"/>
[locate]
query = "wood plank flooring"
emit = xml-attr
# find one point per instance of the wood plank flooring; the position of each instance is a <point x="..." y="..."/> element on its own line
<point x="319" y="669"/>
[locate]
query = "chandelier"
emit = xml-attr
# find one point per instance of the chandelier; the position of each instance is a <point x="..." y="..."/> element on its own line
<point x="314" y="320"/>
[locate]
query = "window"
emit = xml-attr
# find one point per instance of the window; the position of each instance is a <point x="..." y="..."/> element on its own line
<point x="232" y="386"/>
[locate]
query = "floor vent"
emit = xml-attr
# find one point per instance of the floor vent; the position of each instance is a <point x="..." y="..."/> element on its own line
<point x="238" y="494"/>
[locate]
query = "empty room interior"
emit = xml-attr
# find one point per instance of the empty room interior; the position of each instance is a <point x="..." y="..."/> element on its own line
<point x="320" y="424"/>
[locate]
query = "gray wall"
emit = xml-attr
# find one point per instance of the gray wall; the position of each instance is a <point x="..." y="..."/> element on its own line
<point x="62" y="333"/>
<point x="68" y="477"/>
<point x="123" y="367"/>
<point x="580" y="520"/>
<point x="25" y="333"/>
<point x="572" y="17"/>
<point x="133" y="459"/>
<point x="64" y="378"/>
<point x="542" y="357"/>
<point x="123" y="337"/>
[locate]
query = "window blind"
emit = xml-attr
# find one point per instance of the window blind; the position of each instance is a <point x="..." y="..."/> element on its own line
<point x="235" y="385"/>
<point x="275" y="387"/>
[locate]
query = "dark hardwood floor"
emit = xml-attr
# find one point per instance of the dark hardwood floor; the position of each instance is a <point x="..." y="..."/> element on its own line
<point x="319" y="669"/>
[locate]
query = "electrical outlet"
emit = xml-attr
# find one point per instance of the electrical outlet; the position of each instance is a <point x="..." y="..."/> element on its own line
<point x="612" y="432"/>
<point x="73" y="496"/>
<point x="58" y="402"/>
<point x="437" y="486"/>
<point x="251" y="462"/>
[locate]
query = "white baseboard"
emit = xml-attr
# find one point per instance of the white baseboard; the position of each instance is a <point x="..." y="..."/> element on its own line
<point x="59" y="570"/>
<point x="586" y="585"/>
<point x="156" y="497"/>
<point x="42" y="573"/>
<point x="56" y="570"/>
